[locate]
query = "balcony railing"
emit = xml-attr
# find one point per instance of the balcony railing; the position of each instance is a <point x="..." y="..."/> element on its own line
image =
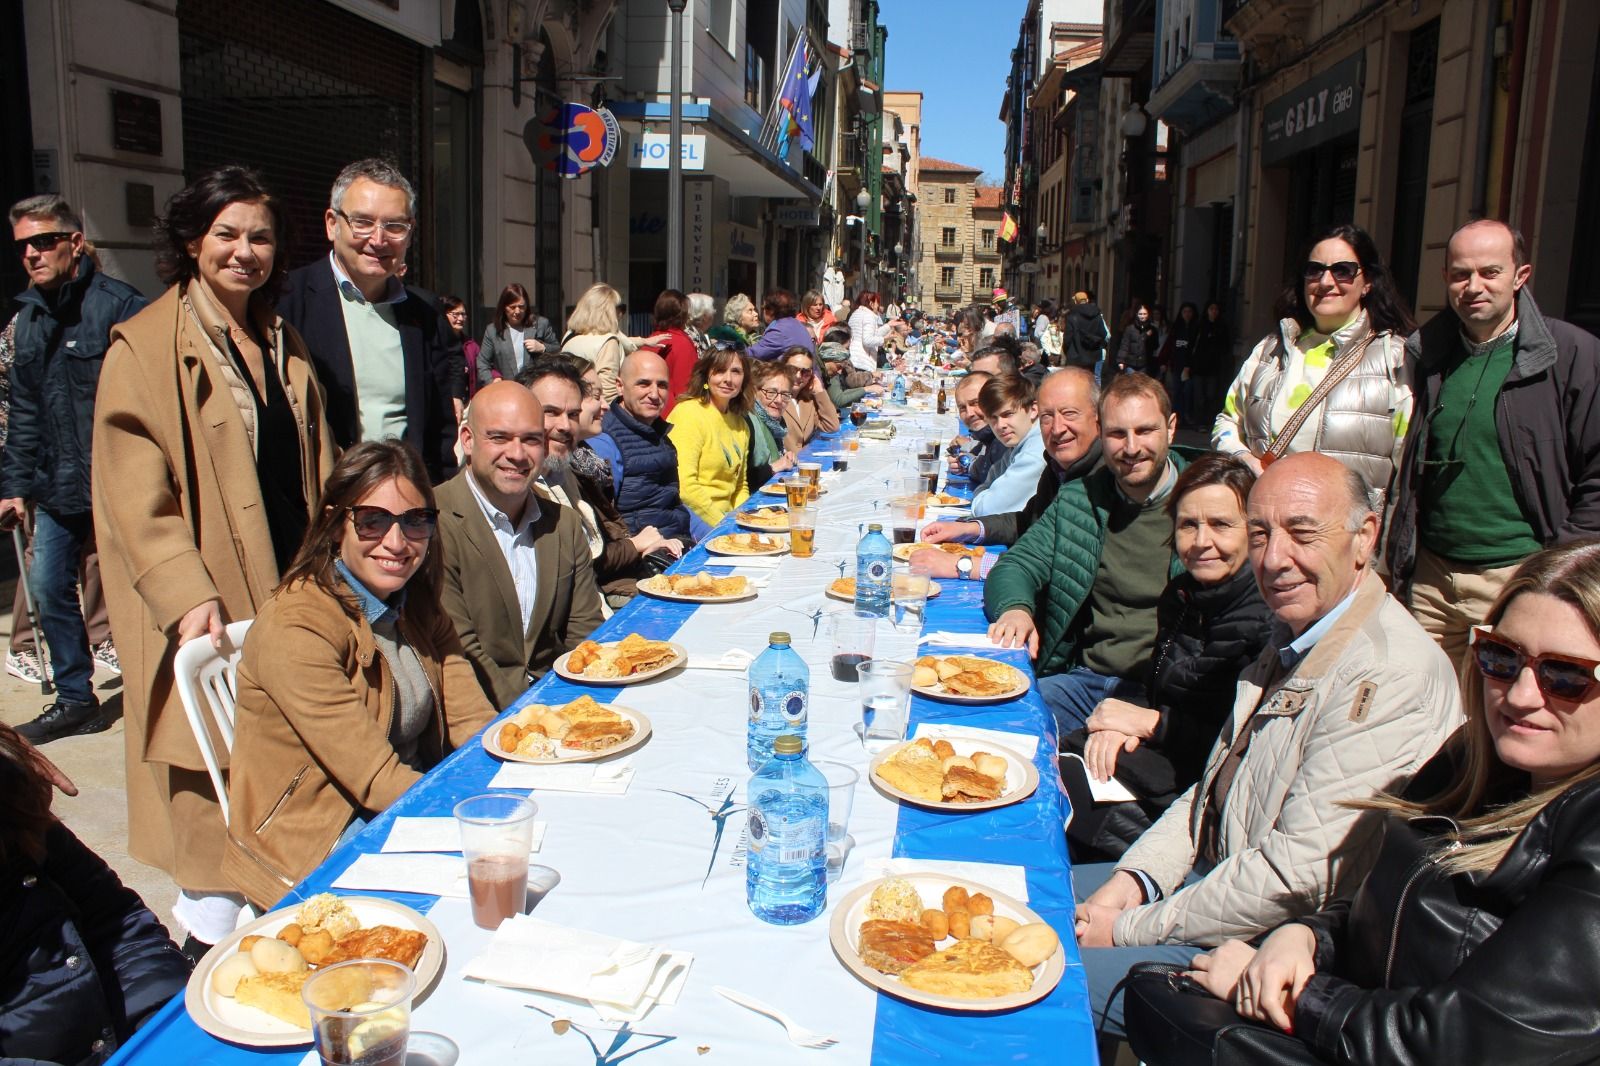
<point x="948" y="251"/>
<point x="947" y="292"/>
<point x="991" y="251"/>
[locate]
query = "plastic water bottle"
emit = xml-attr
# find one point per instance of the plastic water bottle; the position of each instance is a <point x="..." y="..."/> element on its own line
<point x="780" y="689"/>
<point x="786" y="873"/>
<point x="874" y="570"/>
<point x="899" y="388"/>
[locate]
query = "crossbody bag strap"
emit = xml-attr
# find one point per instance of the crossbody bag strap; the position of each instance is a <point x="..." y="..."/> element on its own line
<point x="1336" y="373"/>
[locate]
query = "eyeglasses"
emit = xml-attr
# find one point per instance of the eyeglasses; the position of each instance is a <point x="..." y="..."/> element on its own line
<point x="40" y="242"/>
<point x="364" y="227"/>
<point x="1562" y="677"/>
<point x="1344" y="271"/>
<point x="801" y="371"/>
<point x="374" y="523"/>
<point x="774" y="394"/>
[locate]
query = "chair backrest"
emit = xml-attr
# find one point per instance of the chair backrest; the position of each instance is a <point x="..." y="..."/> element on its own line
<point x="202" y="673"/>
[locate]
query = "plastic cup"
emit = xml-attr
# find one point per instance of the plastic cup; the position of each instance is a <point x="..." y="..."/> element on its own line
<point x="797" y="490"/>
<point x="911" y="593"/>
<point x="913" y="486"/>
<point x="885" y="689"/>
<point x="854" y="636"/>
<point x="360" y="1012"/>
<point x="841" y="795"/>
<point x="802" y="532"/>
<point x="496" y="837"/>
<point x="903" y="513"/>
<point x="812" y="472"/>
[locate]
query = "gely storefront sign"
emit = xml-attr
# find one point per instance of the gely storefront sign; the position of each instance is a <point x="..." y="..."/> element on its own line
<point x="1319" y="110"/>
<point x="653" y="151"/>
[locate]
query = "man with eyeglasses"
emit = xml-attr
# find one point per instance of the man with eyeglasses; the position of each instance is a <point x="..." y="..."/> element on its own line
<point x="382" y="350"/>
<point x="1349" y="699"/>
<point x="62" y="332"/>
<point x="1502" y="456"/>
<point x="518" y="582"/>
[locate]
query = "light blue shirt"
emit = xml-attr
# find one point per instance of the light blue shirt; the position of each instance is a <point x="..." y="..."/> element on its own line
<point x="1011" y="486"/>
<point x="1297" y="649"/>
<point x="373" y="609"/>
<point x="516" y="543"/>
<point x="377" y="357"/>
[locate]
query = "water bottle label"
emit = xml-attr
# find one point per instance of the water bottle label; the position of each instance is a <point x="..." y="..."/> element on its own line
<point x="877" y="570"/>
<point x="756" y="830"/>
<point x="798" y="841"/>
<point x="755" y="705"/>
<point x="794" y="708"/>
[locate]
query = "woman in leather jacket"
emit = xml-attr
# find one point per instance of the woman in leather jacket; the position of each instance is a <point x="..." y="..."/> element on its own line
<point x="1210" y="624"/>
<point x="1476" y="937"/>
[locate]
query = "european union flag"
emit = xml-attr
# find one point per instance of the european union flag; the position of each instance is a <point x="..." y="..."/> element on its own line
<point x="794" y="96"/>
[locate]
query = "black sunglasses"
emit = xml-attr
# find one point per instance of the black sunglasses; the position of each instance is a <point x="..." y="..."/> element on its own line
<point x="374" y="523"/>
<point x="1344" y="271"/>
<point x="40" y="242"/>
<point x="1562" y="677"/>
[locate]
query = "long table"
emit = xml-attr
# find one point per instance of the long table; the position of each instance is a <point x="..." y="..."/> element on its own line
<point x="664" y="862"/>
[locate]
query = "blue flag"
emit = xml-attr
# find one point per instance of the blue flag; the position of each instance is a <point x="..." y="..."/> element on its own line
<point x="794" y="96"/>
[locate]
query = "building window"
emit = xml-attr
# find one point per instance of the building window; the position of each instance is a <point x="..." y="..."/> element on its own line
<point x="719" y="21"/>
<point x="947" y="277"/>
<point x="986" y="278"/>
<point x="988" y="238"/>
<point x="752" y="76"/>
<point x="947" y="236"/>
<point x="949" y="196"/>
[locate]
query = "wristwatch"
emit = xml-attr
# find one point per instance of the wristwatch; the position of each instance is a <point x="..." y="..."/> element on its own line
<point x="964" y="568"/>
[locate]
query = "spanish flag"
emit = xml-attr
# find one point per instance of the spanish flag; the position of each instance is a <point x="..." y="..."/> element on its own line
<point x="1008" y="228"/>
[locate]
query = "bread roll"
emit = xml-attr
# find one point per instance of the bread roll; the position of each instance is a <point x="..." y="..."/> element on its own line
<point x="274" y="956"/>
<point x="226" y="977"/>
<point x="990" y="766"/>
<point x="956" y="760"/>
<point x="924" y="677"/>
<point x="1031" y="944"/>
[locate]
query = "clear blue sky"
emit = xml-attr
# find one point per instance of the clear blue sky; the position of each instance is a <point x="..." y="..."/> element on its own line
<point x="957" y="53"/>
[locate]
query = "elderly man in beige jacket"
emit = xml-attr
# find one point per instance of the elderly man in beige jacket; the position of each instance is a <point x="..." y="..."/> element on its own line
<point x="1349" y="699"/>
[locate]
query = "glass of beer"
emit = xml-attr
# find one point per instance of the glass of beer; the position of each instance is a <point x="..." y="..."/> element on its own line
<point x="802" y="532"/>
<point x="496" y="837"/>
<point x="812" y="472"/>
<point x="798" y="491"/>
<point x="360" y="1012"/>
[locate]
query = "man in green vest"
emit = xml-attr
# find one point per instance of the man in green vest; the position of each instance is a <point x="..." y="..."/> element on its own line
<point x="1079" y="588"/>
<point x="1502" y="456"/>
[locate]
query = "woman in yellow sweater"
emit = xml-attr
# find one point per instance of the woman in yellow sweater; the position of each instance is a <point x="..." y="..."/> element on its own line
<point x="712" y="436"/>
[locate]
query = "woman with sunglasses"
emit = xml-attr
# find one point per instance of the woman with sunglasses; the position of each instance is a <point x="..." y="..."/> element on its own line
<point x="812" y="411"/>
<point x="772" y="447"/>
<point x="353" y="683"/>
<point x="1333" y="377"/>
<point x="1476" y="937"/>
<point x="210" y="450"/>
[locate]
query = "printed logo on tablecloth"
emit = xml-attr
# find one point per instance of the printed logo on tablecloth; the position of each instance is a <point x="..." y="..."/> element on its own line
<point x="721" y="807"/>
<point x="619" y="1038"/>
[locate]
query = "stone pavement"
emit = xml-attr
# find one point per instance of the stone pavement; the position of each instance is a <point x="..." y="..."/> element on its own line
<point x="99" y="813"/>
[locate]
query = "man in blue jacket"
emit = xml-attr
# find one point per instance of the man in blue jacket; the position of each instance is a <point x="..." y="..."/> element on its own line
<point x="62" y="332"/>
<point x="644" y="464"/>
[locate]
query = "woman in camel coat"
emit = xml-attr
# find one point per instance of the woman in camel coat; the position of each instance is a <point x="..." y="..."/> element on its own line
<point x="210" y="451"/>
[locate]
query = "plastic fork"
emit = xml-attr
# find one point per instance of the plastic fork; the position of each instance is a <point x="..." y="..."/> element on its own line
<point x="797" y="1034"/>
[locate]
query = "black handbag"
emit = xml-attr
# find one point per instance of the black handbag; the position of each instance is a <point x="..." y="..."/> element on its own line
<point x="1172" y="1021"/>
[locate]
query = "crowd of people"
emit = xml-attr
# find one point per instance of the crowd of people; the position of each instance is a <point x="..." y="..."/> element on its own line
<point x="1344" y="660"/>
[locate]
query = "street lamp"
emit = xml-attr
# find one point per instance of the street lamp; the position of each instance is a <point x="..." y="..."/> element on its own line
<point x="1043" y="233"/>
<point x="863" y="201"/>
<point x="675" y="147"/>
<point x="1134" y="122"/>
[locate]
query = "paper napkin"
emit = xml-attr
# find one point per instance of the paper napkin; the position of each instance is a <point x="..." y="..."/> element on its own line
<point x="944" y="639"/>
<point x="605" y="779"/>
<point x="438" y="834"/>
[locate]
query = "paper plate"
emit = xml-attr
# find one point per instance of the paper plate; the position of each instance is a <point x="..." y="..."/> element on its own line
<point x="1022" y="777"/>
<point x="844" y="934"/>
<point x="227" y="1019"/>
<point x="937" y="692"/>
<point x="641" y="733"/>
<point x="933" y="591"/>
<point x="657" y="586"/>
<point x="720" y="546"/>
<point x="902" y="552"/>
<point x="680" y="655"/>
<point x="775" y="488"/>
<point x="748" y="520"/>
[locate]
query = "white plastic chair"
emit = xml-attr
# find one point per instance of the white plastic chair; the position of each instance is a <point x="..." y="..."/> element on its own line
<point x="201" y="672"/>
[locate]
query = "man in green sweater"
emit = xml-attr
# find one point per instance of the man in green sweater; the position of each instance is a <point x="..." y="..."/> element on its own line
<point x="1079" y="588"/>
